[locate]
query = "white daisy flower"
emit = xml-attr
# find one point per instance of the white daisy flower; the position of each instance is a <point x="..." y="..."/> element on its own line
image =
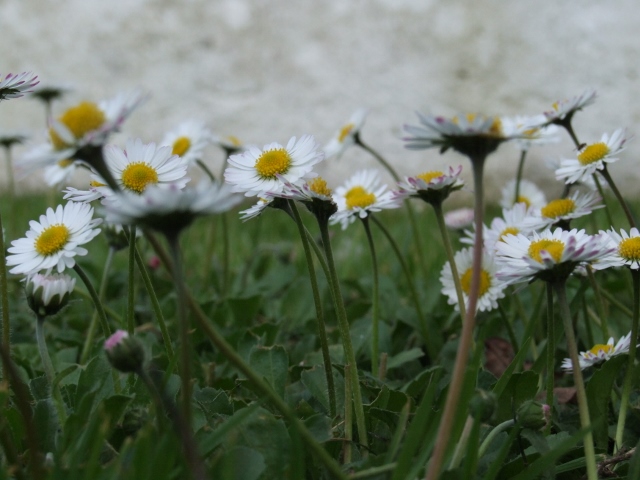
<point x="169" y="208"/>
<point x="592" y="158"/>
<point x="346" y="136"/>
<point x="459" y="218"/>
<point x="548" y="255"/>
<point x="563" y="210"/>
<point x="564" y="109"/>
<point x="529" y="194"/>
<point x="627" y="249"/>
<point x="431" y="186"/>
<point x="15" y="86"/>
<point x="188" y="140"/>
<point x="55" y="240"/>
<point x="599" y="353"/>
<point x="528" y="132"/>
<point x="512" y="222"/>
<point x="256" y="209"/>
<point x="47" y="294"/>
<point x="60" y="172"/>
<point x="491" y="288"/>
<point x="361" y="195"/>
<point x="314" y="194"/>
<point x="229" y="143"/>
<point x="256" y="171"/>
<point x="134" y="169"/>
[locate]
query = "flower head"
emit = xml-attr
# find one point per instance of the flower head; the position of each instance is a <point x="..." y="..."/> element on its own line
<point x="229" y="143"/>
<point x="527" y="131"/>
<point x="9" y="139"/>
<point x="491" y="288"/>
<point x="433" y="186"/>
<point x="626" y="249"/>
<point x="188" y="140"/>
<point x="361" y="195"/>
<point x="55" y="240"/>
<point x="459" y="218"/>
<point x="257" y="171"/>
<point x="346" y="136"/>
<point x="48" y="294"/>
<point x="512" y="222"/>
<point x="592" y="158"/>
<point x="255" y="210"/>
<point x="548" y="255"/>
<point x="563" y="210"/>
<point x="529" y="194"/>
<point x="314" y="194"/>
<point x="599" y="353"/>
<point x="15" y="86"/>
<point x="125" y="353"/>
<point x="48" y="93"/>
<point x="563" y="110"/>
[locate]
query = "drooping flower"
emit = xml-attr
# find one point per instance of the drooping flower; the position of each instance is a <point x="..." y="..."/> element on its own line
<point x="256" y="171"/>
<point x="15" y="86"/>
<point x="491" y="287"/>
<point x="188" y="140"/>
<point x="361" y="195"/>
<point x="529" y="194"/>
<point x="563" y="210"/>
<point x="48" y="294"/>
<point x="54" y="241"/>
<point x="432" y="186"/>
<point x="599" y="353"/>
<point x="563" y="110"/>
<point x="592" y="158"/>
<point x="346" y="136"/>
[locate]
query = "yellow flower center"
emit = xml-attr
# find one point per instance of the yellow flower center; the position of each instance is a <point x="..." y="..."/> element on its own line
<point x="319" y="186"/>
<point x="553" y="247"/>
<point x="181" y="146"/>
<point x="346" y="130"/>
<point x="428" y="176"/>
<point x="235" y="141"/>
<point x="531" y="133"/>
<point x="593" y="153"/>
<point x="94" y="184"/>
<point x="524" y="200"/>
<point x="80" y="120"/>
<point x="52" y="239"/>
<point x="605" y="348"/>
<point x="136" y="176"/>
<point x="67" y="162"/>
<point x="508" y="231"/>
<point x="485" y="282"/>
<point x="496" y="127"/>
<point x="359" y="197"/>
<point x="629" y="249"/>
<point x="273" y="162"/>
<point x="558" y="208"/>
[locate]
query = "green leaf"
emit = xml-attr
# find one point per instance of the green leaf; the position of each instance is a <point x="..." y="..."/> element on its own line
<point x="319" y="426"/>
<point x="404" y="357"/>
<point x="240" y="463"/>
<point x="245" y="309"/>
<point x="273" y="364"/>
<point x="315" y="381"/>
<point x="520" y="387"/>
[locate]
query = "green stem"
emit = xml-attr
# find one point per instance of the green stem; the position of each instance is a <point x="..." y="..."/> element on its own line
<point x="583" y="406"/>
<point x="566" y="123"/>
<point x="343" y="323"/>
<point x="348" y="417"/>
<point x="551" y="352"/>
<point x="49" y="370"/>
<point x="225" y="254"/>
<point x="206" y="170"/>
<point x="428" y="328"/>
<point x="131" y="291"/>
<point x="387" y="166"/>
<point x="523" y="156"/>
<point x="91" y="333"/>
<point x="375" y="312"/>
<point x="4" y="291"/>
<point x="493" y="434"/>
<point x="599" y="304"/>
<point x="322" y="333"/>
<point x="466" y="336"/>
<point x="96" y="300"/>
<point x="625" y="207"/>
<point x="604" y="199"/>
<point x="508" y="327"/>
<point x="628" y="376"/>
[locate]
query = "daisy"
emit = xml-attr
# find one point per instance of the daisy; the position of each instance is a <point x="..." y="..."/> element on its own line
<point x="627" y="249"/>
<point x="599" y="353"/>
<point x="48" y="93"/>
<point x="229" y="143"/>
<point x="10" y="138"/>
<point x="528" y="132"/>
<point x="592" y="158"/>
<point x="256" y="171"/>
<point x="512" y="222"/>
<point x="347" y="135"/>
<point x="169" y="209"/>
<point x="433" y="186"/>
<point x="256" y="209"/>
<point x="55" y="240"/>
<point x="529" y="194"/>
<point x="314" y="194"/>
<point x="60" y="172"/>
<point x="459" y="218"/>
<point x="47" y="294"/>
<point x="563" y="110"/>
<point x="134" y="169"/>
<point x="491" y="288"/>
<point x="188" y="140"/>
<point x="360" y="195"/>
<point x="548" y="255"/>
<point x="15" y="86"/>
<point x="563" y="210"/>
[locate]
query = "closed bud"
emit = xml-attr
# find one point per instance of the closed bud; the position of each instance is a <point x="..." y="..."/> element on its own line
<point x="125" y="353"/>
<point x="534" y="415"/>
<point x="483" y="405"/>
<point x="48" y="294"/>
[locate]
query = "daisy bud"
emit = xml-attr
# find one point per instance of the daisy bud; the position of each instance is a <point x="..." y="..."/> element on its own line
<point x="125" y="353"/>
<point x="483" y="405"/>
<point x="534" y="415"/>
<point x="48" y="294"/>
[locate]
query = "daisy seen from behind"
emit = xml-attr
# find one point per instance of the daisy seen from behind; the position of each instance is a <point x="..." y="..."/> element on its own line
<point x="599" y="353"/>
<point x="562" y="110"/>
<point x="15" y="86"/>
<point x="361" y="195"/>
<point x="432" y="186"/>
<point x="347" y="135"/>
<point x="256" y="171"/>
<point x="54" y="241"/>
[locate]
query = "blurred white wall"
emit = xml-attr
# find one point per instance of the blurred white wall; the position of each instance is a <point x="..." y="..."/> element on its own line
<point x="268" y="70"/>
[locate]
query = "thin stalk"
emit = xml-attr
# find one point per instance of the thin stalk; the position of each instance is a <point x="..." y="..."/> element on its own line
<point x="4" y="291"/>
<point x="93" y="325"/>
<point x="225" y="254"/>
<point x="431" y="345"/>
<point x="374" y="471"/>
<point x="131" y="290"/>
<point x="566" y="123"/>
<point x="322" y="331"/>
<point x="343" y="323"/>
<point x="523" y="156"/>
<point x="206" y="170"/>
<point x="96" y="300"/>
<point x="508" y="327"/>
<point x="628" y="376"/>
<point x="604" y="199"/>
<point x="49" y="370"/>
<point x="375" y="312"/>
<point x="446" y="240"/>
<point x="583" y="406"/>
<point x="615" y="302"/>
<point x="604" y="325"/>
<point x="493" y="434"/>
<point x="110" y="311"/>
<point x="10" y="179"/>
<point x="551" y="352"/>
<point x="183" y="322"/>
<point x="625" y="207"/>
<point x="587" y="322"/>
<point x="461" y="447"/>
<point x="348" y="418"/>
<point x="466" y="336"/>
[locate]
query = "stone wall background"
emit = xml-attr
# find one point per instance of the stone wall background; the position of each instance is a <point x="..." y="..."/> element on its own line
<point x="267" y="70"/>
